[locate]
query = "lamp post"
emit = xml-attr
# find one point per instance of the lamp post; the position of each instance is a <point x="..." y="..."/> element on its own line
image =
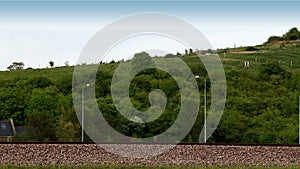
<point x="204" y="104"/>
<point x="82" y="112"/>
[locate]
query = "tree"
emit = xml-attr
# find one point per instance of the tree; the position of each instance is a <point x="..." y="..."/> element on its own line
<point x="43" y="109"/>
<point x="68" y="127"/>
<point x="292" y="34"/>
<point x="210" y="51"/>
<point x="67" y="63"/>
<point x="251" y="48"/>
<point x="13" y="103"/>
<point x="39" y="82"/>
<point x="141" y="61"/>
<point x="170" y="55"/>
<point x="51" y="63"/>
<point x="191" y="52"/>
<point x="16" y="66"/>
<point x="274" y="38"/>
<point x="272" y="69"/>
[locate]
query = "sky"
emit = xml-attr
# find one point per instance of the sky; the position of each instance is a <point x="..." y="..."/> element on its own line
<point x="36" y="32"/>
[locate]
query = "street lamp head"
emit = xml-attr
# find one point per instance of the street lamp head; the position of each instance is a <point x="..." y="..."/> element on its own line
<point x="197" y="77"/>
<point x="87" y="85"/>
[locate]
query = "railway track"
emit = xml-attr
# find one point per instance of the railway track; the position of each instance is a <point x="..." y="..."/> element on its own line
<point x="192" y="154"/>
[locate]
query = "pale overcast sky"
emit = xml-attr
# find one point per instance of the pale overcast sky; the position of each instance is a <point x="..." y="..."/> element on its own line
<point x="38" y="32"/>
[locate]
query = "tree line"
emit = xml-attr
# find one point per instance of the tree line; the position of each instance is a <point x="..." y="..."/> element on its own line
<point x="292" y="34"/>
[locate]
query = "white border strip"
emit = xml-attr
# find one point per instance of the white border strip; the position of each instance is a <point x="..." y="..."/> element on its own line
<point x="149" y="1"/>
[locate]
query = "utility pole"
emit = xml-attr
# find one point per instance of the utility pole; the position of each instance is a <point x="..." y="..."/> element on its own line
<point x="204" y="104"/>
<point x="82" y="112"/>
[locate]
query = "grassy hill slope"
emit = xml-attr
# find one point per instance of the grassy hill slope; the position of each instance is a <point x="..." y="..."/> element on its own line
<point x="261" y="106"/>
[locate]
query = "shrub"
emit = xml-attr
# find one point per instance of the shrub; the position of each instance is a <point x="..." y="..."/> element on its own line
<point x="251" y="48"/>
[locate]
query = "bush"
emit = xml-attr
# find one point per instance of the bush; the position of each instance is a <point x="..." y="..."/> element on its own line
<point x="251" y="48"/>
<point x="272" y="69"/>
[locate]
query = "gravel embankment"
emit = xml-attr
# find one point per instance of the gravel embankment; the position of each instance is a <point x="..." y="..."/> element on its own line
<point x="221" y="155"/>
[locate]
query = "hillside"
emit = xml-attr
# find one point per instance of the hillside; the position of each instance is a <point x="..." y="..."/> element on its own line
<point x="261" y="105"/>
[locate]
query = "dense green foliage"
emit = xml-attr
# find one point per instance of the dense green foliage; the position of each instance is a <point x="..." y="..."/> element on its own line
<point x="292" y="34"/>
<point x="41" y="101"/>
<point x="261" y="106"/>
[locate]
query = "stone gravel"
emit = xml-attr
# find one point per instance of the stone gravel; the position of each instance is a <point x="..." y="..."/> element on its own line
<point x="192" y="155"/>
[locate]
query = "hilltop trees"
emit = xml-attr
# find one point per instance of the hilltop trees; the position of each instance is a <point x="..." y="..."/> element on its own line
<point x="141" y="61"/>
<point x="292" y="34"/>
<point x="16" y="66"/>
<point x="275" y="38"/>
<point x="67" y="63"/>
<point x="51" y="63"/>
<point x="189" y="52"/>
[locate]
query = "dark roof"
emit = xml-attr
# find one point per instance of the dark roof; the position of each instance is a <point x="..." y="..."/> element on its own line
<point x="6" y="128"/>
